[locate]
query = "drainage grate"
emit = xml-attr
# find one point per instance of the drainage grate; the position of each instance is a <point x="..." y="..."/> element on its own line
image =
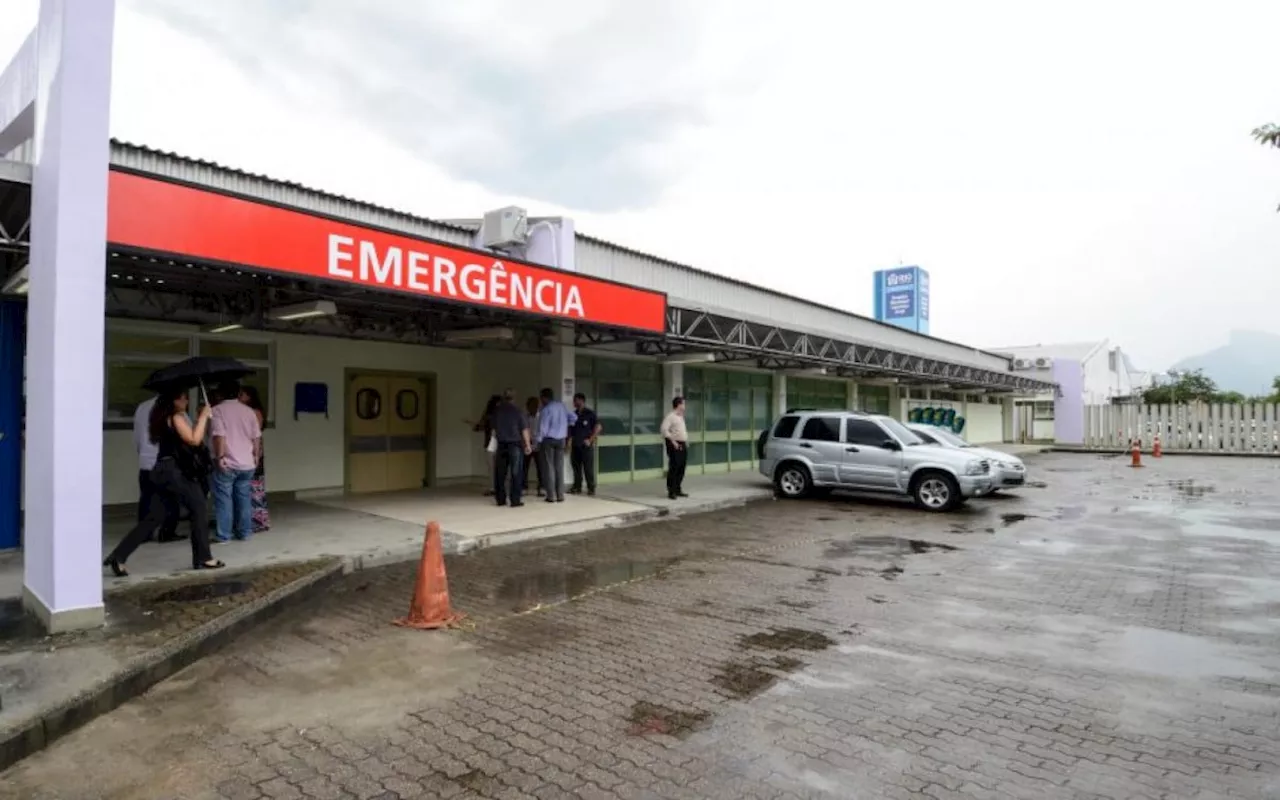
<point x="199" y="592"/>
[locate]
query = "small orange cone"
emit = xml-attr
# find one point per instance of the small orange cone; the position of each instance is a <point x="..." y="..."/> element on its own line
<point x="1156" y="450"/>
<point x="430" y="606"/>
<point x="1137" y="453"/>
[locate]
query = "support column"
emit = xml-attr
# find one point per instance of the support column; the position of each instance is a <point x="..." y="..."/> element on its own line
<point x="13" y="334"/>
<point x="779" y="393"/>
<point x="1007" y="418"/>
<point x="853" y="394"/>
<point x="62" y="559"/>
<point x="897" y="408"/>
<point x="672" y="384"/>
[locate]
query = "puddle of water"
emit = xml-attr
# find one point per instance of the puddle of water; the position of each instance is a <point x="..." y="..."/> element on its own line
<point x="1056" y="548"/>
<point x="787" y="639"/>
<point x="652" y="718"/>
<point x="550" y="587"/>
<point x="921" y="546"/>
<point x="799" y="605"/>
<point x="1011" y="519"/>
<point x="1177" y="655"/>
<point x="743" y="679"/>
<point x="1190" y="489"/>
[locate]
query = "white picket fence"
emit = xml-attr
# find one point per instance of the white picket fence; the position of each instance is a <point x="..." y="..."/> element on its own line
<point x="1197" y="428"/>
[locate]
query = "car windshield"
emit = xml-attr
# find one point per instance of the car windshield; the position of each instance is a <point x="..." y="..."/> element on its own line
<point x="904" y="434"/>
<point x="950" y="438"/>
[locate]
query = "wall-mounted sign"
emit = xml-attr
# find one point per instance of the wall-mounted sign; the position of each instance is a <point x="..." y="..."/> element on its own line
<point x="939" y="417"/>
<point x="157" y="216"/>
<point x="902" y="298"/>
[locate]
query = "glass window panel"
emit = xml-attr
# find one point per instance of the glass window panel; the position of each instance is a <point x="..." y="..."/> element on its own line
<point x="612" y="368"/>
<point x="761" y="400"/>
<point x="646" y="371"/>
<point x="582" y="366"/>
<point x="761" y="380"/>
<point x="742" y="451"/>
<point x="717" y="410"/>
<point x="124" y="386"/>
<point x="647" y="410"/>
<point x="740" y="409"/>
<point x="695" y="454"/>
<point x="693" y="408"/>
<point x="244" y="351"/>
<point x="614" y="408"/>
<point x="648" y="456"/>
<point x="588" y="387"/>
<point x="715" y="377"/>
<point x="126" y="343"/>
<point x="614" y="458"/>
<point x="716" y="452"/>
<point x="737" y="379"/>
<point x="693" y="378"/>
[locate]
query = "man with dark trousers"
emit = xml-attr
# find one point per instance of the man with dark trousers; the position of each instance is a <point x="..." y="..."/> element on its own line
<point x="676" y="435"/>
<point x="583" y="432"/>
<point x="511" y="430"/>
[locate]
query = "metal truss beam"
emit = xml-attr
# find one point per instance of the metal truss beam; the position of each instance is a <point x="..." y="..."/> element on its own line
<point x="772" y="347"/>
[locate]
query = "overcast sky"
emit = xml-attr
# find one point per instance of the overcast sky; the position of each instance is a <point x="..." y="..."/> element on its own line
<point x="1064" y="175"/>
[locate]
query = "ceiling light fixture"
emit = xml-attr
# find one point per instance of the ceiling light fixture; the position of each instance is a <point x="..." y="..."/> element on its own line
<point x="19" y="282"/>
<point x="316" y="308"/>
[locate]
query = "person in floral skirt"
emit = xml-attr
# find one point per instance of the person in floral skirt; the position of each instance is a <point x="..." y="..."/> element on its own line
<point x="258" y="486"/>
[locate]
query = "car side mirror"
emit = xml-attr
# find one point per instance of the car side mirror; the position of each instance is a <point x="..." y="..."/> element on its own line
<point x="891" y="444"/>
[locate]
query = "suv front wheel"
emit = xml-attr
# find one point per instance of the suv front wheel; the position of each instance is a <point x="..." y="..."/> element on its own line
<point x="792" y="481"/>
<point x="936" y="491"/>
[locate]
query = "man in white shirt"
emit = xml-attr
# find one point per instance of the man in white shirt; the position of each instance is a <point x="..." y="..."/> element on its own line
<point x="676" y="435"/>
<point x="147" y="491"/>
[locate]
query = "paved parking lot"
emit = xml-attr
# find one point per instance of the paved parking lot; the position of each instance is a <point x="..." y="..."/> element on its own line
<point x="1110" y="634"/>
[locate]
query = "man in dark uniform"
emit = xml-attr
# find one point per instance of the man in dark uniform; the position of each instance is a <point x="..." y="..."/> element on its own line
<point x="583" y="432"/>
<point x="511" y="430"/>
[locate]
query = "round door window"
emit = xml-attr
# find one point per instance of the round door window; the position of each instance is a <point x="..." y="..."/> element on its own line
<point x="407" y="404"/>
<point x="368" y="404"/>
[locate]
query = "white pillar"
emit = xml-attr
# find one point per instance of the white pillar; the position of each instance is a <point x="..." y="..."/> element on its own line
<point x="672" y="384"/>
<point x="853" y="395"/>
<point x="62" y="575"/>
<point x="779" y="393"/>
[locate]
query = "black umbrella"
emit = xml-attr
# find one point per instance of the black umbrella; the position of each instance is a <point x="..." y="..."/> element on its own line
<point x="195" y="372"/>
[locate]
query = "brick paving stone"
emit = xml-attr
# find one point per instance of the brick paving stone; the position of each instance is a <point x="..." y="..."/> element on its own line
<point x="1102" y="645"/>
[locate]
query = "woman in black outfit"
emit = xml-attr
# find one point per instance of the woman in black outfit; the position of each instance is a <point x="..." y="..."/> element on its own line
<point x="174" y="476"/>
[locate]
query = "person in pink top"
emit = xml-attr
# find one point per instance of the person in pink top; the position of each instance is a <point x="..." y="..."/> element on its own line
<point x="237" y="446"/>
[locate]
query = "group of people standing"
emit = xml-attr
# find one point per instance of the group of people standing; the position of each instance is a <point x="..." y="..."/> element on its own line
<point x="533" y="441"/>
<point x="182" y="461"/>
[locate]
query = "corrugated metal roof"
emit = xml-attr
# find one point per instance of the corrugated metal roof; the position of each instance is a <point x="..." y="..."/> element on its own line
<point x="262" y="187"/>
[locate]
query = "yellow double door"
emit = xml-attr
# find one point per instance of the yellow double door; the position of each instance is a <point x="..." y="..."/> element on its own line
<point x="387" y="428"/>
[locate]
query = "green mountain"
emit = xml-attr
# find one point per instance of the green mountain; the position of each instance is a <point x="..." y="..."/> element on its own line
<point x="1247" y="363"/>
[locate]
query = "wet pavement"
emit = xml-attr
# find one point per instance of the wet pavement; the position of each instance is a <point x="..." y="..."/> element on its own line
<point x="1110" y="634"/>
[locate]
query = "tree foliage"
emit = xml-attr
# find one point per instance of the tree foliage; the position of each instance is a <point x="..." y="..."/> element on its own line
<point x="1193" y="386"/>
<point x="1268" y="134"/>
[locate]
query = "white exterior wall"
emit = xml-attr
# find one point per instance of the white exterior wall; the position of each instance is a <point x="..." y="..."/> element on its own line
<point x="985" y="422"/>
<point x="1100" y="383"/>
<point x="307" y="454"/>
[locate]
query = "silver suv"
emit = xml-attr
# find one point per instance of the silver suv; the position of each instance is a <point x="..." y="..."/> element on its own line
<point x="808" y="452"/>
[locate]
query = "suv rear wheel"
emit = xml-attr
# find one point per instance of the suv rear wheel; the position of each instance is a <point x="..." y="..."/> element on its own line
<point x="792" y="480"/>
<point x="936" y="491"/>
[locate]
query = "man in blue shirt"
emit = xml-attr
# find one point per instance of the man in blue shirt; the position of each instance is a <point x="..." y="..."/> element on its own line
<point x="553" y="431"/>
<point x="582" y="454"/>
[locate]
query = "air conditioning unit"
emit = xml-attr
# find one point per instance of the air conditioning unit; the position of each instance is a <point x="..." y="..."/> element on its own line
<point x="505" y="227"/>
<point x="1022" y="363"/>
<point x="1044" y="363"/>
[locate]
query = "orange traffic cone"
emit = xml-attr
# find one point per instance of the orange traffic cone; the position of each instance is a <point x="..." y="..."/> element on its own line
<point x="1137" y="453"/>
<point x="430" y="606"/>
<point x="1156" y="450"/>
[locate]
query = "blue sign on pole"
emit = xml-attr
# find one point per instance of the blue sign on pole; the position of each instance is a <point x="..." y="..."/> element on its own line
<point x="902" y="298"/>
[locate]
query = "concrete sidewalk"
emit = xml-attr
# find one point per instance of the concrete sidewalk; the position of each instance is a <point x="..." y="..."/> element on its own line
<point x="370" y="530"/>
